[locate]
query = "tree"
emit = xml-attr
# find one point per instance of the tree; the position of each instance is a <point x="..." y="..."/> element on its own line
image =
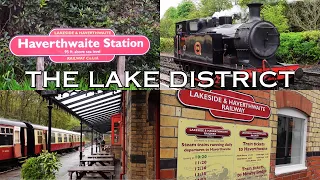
<point x="185" y="8"/>
<point x="170" y="13"/>
<point x="305" y="15"/>
<point x="209" y="7"/>
<point x="276" y="15"/>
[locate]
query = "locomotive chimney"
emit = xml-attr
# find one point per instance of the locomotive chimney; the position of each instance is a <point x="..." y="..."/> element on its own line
<point x="254" y="11"/>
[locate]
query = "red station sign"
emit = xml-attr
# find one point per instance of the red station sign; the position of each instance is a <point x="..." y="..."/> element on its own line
<point x="225" y="104"/>
<point x="79" y="45"/>
<point x="207" y="131"/>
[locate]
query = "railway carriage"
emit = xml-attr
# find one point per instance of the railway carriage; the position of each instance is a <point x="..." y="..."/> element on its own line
<point x="19" y="140"/>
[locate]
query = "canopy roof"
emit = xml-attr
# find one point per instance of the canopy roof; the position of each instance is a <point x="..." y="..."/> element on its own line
<point x="94" y="108"/>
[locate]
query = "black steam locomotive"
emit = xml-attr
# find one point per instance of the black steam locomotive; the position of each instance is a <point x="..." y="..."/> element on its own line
<point x="217" y="44"/>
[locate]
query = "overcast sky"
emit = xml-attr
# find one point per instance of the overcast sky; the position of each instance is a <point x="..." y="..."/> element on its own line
<point x="165" y="4"/>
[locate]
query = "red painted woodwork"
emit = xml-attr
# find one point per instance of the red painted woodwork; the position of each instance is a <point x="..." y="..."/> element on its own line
<point x="17" y="150"/>
<point x="38" y="148"/>
<point x="6" y="152"/>
<point x="116" y="131"/>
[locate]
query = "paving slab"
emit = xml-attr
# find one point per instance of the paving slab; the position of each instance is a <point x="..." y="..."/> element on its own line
<point x="67" y="160"/>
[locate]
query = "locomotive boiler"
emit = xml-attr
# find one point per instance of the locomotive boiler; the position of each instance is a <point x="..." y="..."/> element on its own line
<point x="218" y="44"/>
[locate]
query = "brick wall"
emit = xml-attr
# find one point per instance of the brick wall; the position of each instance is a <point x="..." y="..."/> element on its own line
<point x="171" y="110"/>
<point x="140" y="138"/>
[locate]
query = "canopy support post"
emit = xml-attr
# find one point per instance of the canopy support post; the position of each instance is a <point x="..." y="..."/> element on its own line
<point x="91" y="141"/>
<point x="96" y="142"/>
<point x="49" y="124"/>
<point x="81" y="139"/>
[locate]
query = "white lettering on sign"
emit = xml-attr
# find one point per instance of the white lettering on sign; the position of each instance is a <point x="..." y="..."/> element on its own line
<point x="87" y="43"/>
<point x="228" y="104"/>
<point x="232" y="108"/>
<point x="205" y="96"/>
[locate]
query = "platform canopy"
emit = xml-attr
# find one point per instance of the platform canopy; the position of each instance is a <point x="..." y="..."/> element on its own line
<point x="94" y="108"/>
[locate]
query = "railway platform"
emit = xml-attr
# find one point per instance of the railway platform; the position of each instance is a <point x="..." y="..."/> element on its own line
<point x="68" y="161"/>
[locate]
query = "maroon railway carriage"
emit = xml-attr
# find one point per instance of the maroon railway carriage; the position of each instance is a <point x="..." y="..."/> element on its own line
<point x="19" y="140"/>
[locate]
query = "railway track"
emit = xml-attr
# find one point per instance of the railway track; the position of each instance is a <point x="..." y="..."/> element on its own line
<point x="309" y="81"/>
<point x="9" y="170"/>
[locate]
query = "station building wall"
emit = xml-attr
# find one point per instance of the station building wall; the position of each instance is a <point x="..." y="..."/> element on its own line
<point x="304" y="101"/>
<point x="140" y="135"/>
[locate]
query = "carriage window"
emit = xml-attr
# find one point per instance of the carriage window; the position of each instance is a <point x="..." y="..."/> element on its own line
<point x="3" y="130"/>
<point x="193" y="26"/>
<point x="65" y="139"/>
<point x="11" y="130"/>
<point x="53" y="137"/>
<point x="6" y="139"/>
<point x="39" y="137"/>
<point x="179" y="28"/>
<point x="59" y="137"/>
<point x="16" y="137"/>
<point x="70" y="138"/>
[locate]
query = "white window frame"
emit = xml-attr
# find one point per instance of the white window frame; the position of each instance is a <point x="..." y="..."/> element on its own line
<point x="283" y="168"/>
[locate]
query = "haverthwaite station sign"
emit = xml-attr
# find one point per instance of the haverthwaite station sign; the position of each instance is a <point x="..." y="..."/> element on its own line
<point x="79" y="45"/>
<point x="225" y="104"/>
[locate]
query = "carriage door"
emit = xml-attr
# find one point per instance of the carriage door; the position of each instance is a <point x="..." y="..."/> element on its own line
<point x="30" y="140"/>
<point x="22" y="141"/>
<point x="16" y="142"/>
<point x="44" y="139"/>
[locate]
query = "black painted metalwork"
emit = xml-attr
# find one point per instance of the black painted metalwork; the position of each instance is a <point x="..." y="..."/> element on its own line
<point x="49" y="124"/>
<point x="91" y="141"/>
<point x="81" y="139"/>
<point x="93" y="108"/>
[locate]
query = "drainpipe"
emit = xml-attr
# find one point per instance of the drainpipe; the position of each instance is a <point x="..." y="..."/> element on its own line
<point x="124" y="134"/>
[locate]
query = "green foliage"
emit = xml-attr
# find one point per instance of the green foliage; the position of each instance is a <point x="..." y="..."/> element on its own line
<point x="304" y="15"/>
<point x="185" y="8"/>
<point x="166" y="45"/>
<point x="300" y="47"/>
<point x="44" y="166"/>
<point x="30" y="169"/>
<point x="209" y="7"/>
<point x="188" y="10"/>
<point x="29" y="106"/>
<point x="171" y="13"/>
<point x="276" y="15"/>
<point x="167" y="28"/>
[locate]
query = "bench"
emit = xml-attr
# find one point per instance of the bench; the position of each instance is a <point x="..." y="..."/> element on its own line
<point x="107" y="172"/>
<point x="102" y="153"/>
<point x="102" y="161"/>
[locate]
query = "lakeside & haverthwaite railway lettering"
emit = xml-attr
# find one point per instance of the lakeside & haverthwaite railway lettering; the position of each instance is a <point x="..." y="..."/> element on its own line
<point x="228" y="104"/>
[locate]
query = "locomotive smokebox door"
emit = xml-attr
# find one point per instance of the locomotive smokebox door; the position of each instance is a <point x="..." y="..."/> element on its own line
<point x="256" y="40"/>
